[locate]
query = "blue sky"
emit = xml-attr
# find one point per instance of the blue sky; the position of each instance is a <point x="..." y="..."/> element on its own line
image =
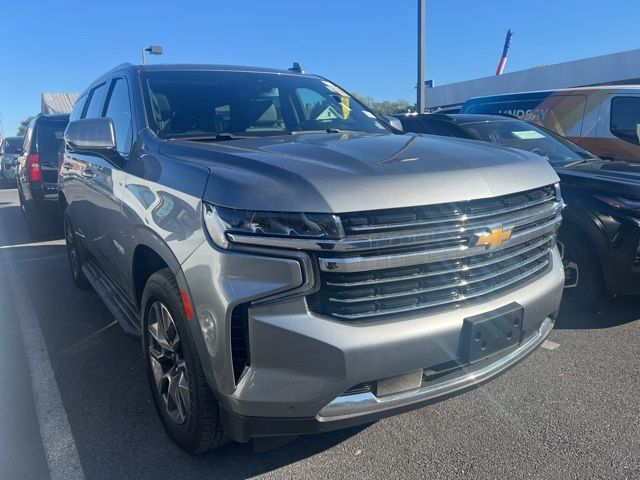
<point x="368" y="46"/>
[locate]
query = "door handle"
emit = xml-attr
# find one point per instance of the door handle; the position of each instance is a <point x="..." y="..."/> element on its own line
<point x="67" y="165"/>
<point x="88" y="174"/>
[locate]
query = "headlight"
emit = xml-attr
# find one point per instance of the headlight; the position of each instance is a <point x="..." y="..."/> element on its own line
<point x="620" y="202"/>
<point x="222" y="220"/>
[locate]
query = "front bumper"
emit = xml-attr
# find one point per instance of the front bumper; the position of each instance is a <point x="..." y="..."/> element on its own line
<point x="361" y="408"/>
<point x="301" y="364"/>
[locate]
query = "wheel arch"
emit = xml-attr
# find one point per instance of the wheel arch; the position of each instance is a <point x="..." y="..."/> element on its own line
<point x="151" y="254"/>
<point x="594" y="233"/>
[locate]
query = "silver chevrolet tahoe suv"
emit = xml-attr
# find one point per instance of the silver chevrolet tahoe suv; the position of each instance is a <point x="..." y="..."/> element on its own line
<point x="292" y="264"/>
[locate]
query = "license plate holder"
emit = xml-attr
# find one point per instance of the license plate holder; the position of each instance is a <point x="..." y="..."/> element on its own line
<point x="491" y="332"/>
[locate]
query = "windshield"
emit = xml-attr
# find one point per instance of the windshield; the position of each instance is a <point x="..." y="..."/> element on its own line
<point x="183" y="104"/>
<point x="13" y="146"/>
<point x="521" y="135"/>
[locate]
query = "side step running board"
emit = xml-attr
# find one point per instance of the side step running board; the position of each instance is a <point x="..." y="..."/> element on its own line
<point x="118" y="302"/>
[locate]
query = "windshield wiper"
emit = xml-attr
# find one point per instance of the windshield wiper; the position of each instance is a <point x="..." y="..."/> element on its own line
<point x="219" y="137"/>
<point x="586" y="160"/>
<point x="326" y="130"/>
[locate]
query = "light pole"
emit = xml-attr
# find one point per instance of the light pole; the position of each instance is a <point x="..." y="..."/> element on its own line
<point x="422" y="40"/>
<point x="152" y="50"/>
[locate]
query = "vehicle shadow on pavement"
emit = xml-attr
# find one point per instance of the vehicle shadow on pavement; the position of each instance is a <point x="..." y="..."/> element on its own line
<point x="99" y="372"/>
<point x="17" y="234"/>
<point x="607" y="313"/>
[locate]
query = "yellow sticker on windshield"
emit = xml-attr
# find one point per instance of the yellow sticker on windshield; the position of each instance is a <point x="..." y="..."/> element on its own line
<point x="346" y="111"/>
<point x="527" y="135"/>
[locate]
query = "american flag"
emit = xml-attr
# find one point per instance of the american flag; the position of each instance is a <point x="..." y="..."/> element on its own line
<point x="505" y="52"/>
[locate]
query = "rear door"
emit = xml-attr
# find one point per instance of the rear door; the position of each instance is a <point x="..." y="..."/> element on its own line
<point x="70" y="176"/>
<point x="107" y="181"/>
<point x="83" y="171"/>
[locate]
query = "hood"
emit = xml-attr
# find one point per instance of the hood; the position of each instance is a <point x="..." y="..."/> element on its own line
<point x="621" y="178"/>
<point x="353" y="172"/>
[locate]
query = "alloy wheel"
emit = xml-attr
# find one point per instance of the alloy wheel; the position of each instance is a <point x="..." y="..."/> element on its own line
<point x="167" y="363"/>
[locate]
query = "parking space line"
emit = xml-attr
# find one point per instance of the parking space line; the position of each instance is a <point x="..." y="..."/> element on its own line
<point x="59" y="445"/>
<point x="549" y="345"/>
<point x="48" y="243"/>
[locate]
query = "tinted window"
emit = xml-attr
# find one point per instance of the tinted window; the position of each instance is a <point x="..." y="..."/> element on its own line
<point x="523" y="136"/>
<point x="77" y="108"/>
<point x="187" y="103"/>
<point x="50" y="137"/>
<point x="625" y="118"/>
<point x="28" y="136"/>
<point x="96" y="103"/>
<point x="119" y="110"/>
<point x="432" y="126"/>
<point x="13" y="145"/>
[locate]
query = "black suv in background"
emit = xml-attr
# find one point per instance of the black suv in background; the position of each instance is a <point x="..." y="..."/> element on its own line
<point x="37" y="174"/>
<point x="601" y="222"/>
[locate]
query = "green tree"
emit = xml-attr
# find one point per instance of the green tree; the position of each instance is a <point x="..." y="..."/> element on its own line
<point x="385" y="107"/>
<point x="23" y="125"/>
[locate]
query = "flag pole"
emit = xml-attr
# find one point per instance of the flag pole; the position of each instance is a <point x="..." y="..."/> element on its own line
<point x="505" y="52"/>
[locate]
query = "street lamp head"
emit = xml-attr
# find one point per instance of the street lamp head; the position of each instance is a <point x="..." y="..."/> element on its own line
<point x="154" y="50"/>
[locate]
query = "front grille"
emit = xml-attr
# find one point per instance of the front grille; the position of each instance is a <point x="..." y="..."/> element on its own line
<point x="429" y="259"/>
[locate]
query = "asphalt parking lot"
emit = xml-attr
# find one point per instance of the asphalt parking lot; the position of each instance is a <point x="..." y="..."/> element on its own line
<point x="73" y="382"/>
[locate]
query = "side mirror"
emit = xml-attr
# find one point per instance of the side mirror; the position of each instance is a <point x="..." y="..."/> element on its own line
<point x="394" y="122"/>
<point x="96" y="134"/>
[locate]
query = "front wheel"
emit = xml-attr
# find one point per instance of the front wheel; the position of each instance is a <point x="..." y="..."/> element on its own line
<point x="188" y="410"/>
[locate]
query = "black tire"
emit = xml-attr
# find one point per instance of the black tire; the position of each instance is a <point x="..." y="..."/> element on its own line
<point x="22" y="203"/>
<point x="579" y="253"/>
<point x="201" y="427"/>
<point x="75" y="254"/>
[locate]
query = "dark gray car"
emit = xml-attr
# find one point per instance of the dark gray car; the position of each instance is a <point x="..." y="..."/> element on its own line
<point x="292" y="265"/>
<point x="10" y="151"/>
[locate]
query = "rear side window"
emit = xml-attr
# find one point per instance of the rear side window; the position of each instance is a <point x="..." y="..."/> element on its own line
<point x="119" y="110"/>
<point x="12" y="146"/>
<point x="76" y="113"/>
<point x="625" y="118"/>
<point x="27" y="137"/>
<point x="96" y="101"/>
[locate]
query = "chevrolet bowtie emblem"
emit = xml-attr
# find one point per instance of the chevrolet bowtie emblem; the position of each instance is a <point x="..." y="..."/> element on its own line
<point x="494" y="239"/>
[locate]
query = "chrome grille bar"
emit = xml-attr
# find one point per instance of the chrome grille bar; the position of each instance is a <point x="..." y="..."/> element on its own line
<point x="460" y="282"/>
<point x="453" y="300"/>
<point x="462" y="267"/>
<point x="459" y="218"/>
<point x="364" y="263"/>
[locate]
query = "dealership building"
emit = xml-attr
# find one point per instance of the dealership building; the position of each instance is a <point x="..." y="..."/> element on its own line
<point x="615" y="69"/>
